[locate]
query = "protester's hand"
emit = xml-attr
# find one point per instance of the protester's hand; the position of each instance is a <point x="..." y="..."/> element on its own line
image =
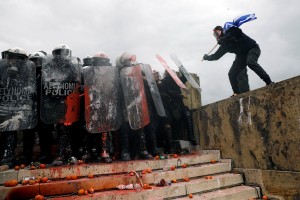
<point x="205" y="57"/>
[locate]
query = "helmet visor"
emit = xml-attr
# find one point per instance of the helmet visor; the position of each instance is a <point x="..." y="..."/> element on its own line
<point x="62" y="52"/>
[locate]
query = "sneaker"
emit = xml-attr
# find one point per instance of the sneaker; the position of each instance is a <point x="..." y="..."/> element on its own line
<point x="270" y="83"/>
<point x="234" y="94"/>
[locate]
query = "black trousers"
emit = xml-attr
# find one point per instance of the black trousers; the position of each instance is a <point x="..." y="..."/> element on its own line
<point x="241" y="62"/>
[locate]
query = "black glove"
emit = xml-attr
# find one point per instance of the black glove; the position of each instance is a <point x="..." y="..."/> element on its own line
<point x="205" y="57"/>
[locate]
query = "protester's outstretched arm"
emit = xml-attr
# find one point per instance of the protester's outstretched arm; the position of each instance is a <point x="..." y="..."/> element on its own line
<point x="217" y="55"/>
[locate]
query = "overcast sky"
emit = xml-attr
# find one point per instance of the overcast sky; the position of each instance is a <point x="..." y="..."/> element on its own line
<point x="150" y="27"/>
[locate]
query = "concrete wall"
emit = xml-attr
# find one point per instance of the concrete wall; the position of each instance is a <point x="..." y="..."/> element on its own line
<point x="257" y="130"/>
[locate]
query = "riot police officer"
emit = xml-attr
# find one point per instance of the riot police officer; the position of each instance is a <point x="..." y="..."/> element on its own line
<point x="61" y="77"/>
<point x="96" y="144"/>
<point x="124" y="61"/>
<point x="17" y="104"/>
<point x="43" y="131"/>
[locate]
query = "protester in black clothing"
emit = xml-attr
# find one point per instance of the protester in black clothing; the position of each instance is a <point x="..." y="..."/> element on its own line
<point x="247" y="53"/>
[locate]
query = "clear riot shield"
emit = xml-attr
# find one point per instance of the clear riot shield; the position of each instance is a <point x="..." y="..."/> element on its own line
<point x="135" y="97"/>
<point x="154" y="90"/>
<point x="60" y="101"/>
<point x="186" y="74"/>
<point x="171" y="72"/>
<point x="18" y="106"/>
<point x="102" y="102"/>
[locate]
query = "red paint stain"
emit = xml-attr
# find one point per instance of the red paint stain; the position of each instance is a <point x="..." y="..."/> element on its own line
<point x="73" y="107"/>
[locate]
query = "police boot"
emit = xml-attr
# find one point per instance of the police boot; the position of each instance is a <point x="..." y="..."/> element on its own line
<point x="61" y="148"/>
<point x="46" y="141"/>
<point x="28" y="143"/>
<point x="46" y="148"/>
<point x="169" y="148"/>
<point x="190" y="128"/>
<point x="64" y="151"/>
<point x="116" y="145"/>
<point x="8" y="155"/>
<point x="125" y="155"/>
<point x="105" y="148"/>
<point x="86" y="148"/>
<point x="142" y="150"/>
<point x="97" y="147"/>
<point x="153" y="143"/>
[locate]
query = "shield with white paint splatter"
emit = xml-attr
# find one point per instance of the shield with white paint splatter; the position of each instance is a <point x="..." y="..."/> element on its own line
<point x="60" y="100"/>
<point x="154" y="90"/>
<point x="18" y="106"/>
<point x="102" y="98"/>
<point x="135" y="97"/>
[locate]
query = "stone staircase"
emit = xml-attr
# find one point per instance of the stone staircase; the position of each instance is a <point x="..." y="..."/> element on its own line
<point x="201" y="179"/>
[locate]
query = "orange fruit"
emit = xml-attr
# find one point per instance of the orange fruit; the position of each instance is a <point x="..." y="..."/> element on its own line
<point x="145" y="186"/>
<point x="91" y="176"/>
<point x="24" y="182"/>
<point x="42" y="166"/>
<point x="39" y="197"/>
<point x="213" y="161"/>
<point x="175" y="155"/>
<point x="91" y="190"/>
<point x="186" y="179"/>
<point x="17" y="167"/>
<point x="190" y="196"/>
<point x="68" y="177"/>
<point x="172" y="168"/>
<point x="31" y="182"/>
<point x="208" y="177"/>
<point x="131" y="174"/>
<point x="157" y="157"/>
<point x="44" y="179"/>
<point x="265" y="197"/>
<point x="144" y="172"/>
<point x="173" y="180"/>
<point x="32" y="167"/>
<point x="184" y="165"/>
<point x="74" y="177"/>
<point x="11" y="183"/>
<point x="148" y="170"/>
<point x="81" y="192"/>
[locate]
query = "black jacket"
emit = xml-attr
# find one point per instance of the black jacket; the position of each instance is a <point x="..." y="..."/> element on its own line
<point x="234" y="41"/>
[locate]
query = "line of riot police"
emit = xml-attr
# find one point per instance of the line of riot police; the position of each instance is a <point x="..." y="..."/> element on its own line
<point x="100" y="112"/>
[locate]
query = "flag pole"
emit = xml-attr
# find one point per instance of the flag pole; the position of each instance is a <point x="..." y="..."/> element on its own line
<point x="211" y="50"/>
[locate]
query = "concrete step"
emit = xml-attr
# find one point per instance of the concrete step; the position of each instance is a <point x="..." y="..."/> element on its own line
<point x="172" y="191"/>
<point x="206" y="180"/>
<point x="241" y="192"/>
<point x="112" y="168"/>
<point x="109" y="182"/>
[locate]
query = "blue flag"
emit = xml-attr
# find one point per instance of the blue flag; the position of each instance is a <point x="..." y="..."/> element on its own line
<point x="238" y="21"/>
